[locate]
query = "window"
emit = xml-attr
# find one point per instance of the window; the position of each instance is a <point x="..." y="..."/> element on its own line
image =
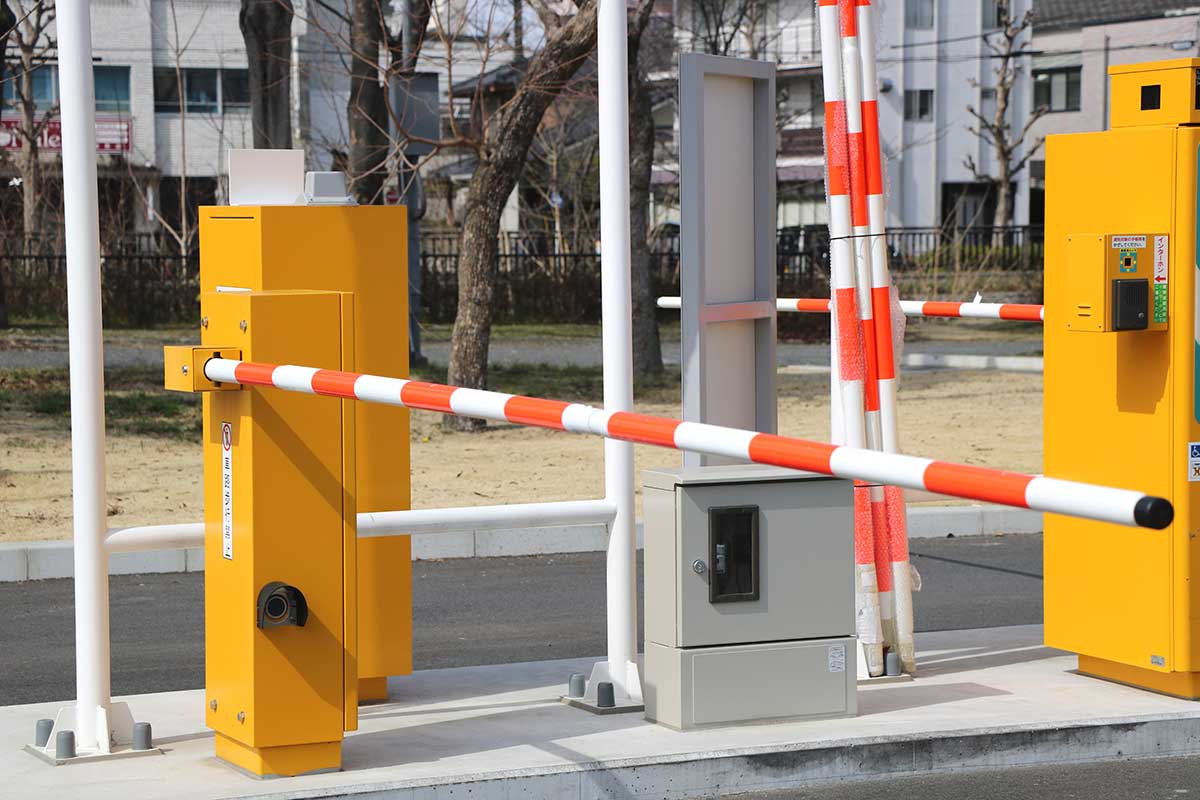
<point x="45" y="85"/>
<point x="1057" y="89"/>
<point x="235" y="88"/>
<point x="918" y="13"/>
<point x="202" y="89"/>
<point x="112" y="89"/>
<point x="918" y="105"/>
<point x="994" y="15"/>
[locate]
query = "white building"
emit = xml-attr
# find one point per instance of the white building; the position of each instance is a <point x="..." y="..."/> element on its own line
<point x="933" y="64"/>
<point x="150" y="52"/>
<point x="1075" y="41"/>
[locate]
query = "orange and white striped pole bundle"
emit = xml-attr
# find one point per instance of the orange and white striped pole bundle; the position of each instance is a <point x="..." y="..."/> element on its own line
<point x="861" y="195"/>
<point x="885" y="351"/>
<point x="849" y="360"/>
<point x="1017" y="312"/>
<point x="1037" y="492"/>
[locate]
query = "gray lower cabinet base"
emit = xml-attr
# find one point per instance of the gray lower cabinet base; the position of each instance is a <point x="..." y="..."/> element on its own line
<point x="697" y="687"/>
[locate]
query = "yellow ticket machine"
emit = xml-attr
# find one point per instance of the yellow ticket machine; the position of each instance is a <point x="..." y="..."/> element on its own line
<point x="1121" y="401"/>
<point x="301" y="620"/>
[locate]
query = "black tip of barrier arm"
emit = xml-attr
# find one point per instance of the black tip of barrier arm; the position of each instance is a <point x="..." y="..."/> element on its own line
<point x="1153" y="512"/>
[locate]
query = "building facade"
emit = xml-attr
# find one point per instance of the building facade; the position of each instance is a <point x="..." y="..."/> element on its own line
<point x="934" y="62"/>
<point x="1076" y="41"/>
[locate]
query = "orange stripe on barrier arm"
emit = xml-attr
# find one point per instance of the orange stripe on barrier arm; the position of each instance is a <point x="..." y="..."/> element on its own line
<point x="1018" y="311"/>
<point x="817" y="305"/>
<point x="254" y="374"/>
<point x="336" y="384"/>
<point x="935" y="308"/>
<point x="427" y="396"/>
<point x="643" y="429"/>
<point x="978" y="483"/>
<point x="767" y="448"/>
<point x="534" y="411"/>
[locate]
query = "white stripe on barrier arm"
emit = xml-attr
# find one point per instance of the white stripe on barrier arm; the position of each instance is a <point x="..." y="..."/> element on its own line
<point x="1051" y="495"/>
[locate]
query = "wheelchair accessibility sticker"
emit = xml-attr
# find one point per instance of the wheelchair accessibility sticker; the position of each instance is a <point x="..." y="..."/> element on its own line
<point x="1194" y="462"/>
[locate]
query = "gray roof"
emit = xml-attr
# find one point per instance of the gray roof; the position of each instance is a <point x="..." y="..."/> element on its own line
<point x="1080" y="13"/>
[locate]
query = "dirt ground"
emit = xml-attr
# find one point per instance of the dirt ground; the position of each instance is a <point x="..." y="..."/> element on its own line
<point x="985" y="418"/>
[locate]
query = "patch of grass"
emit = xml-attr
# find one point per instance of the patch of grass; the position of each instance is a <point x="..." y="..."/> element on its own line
<point x="134" y="401"/>
<point x="54" y="402"/>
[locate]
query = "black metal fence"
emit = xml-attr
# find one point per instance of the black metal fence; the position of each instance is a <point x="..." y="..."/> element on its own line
<point x="147" y="282"/>
<point x="142" y="282"/>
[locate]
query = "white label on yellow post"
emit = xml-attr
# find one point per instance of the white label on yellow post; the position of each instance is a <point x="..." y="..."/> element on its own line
<point x="227" y="490"/>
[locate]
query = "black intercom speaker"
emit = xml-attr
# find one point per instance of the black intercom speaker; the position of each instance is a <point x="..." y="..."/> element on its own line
<point x="1131" y="304"/>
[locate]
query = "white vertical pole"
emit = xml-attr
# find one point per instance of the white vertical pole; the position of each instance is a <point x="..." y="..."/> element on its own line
<point x="617" y="313"/>
<point x="92" y="693"/>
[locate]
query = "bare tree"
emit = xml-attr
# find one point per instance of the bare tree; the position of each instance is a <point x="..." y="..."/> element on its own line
<point x="647" y="349"/>
<point x="367" y="111"/>
<point x="8" y="21"/>
<point x="1010" y="150"/>
<point x="267" y="31"/>
<point x="497" y="135"/>
<point x="182" y="231"/>
<point x="746" y="28"/>
<point x="568" y="41"/>
<point x="31" y="35"/>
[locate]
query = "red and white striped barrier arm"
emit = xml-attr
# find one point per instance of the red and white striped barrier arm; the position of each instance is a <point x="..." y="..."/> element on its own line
<point x="914" y="308"/>
<point x="929" y="308"/>
<point x="1051" y="495"/>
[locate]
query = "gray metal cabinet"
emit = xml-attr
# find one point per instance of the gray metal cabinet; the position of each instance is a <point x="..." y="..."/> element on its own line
<point x="749" y="595"/>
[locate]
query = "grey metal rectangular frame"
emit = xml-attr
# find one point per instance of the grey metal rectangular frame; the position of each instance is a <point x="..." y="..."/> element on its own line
<point x="727" y="243"/>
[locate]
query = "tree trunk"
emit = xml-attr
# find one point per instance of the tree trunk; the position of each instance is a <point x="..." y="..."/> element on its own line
<point x="30" y="180"/>
<point x="366" y="111"/>
<point x="1004" y="204"/>
<point x="647" y="349"/>
<point x="510" y="132"/>
<point x="7" y="20"/>
<point x="267" y="31"/>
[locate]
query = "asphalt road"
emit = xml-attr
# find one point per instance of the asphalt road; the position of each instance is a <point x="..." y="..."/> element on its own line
<point x="1147" y="779"/>
<point x="465" y="611"/>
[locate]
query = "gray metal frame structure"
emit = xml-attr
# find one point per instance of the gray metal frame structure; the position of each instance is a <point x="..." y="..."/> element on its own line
<point x="727" y="144"/>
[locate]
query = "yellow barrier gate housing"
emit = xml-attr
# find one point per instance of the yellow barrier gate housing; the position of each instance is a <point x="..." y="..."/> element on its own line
<point x="302" y="620"/>
<point x="1120" y="380"/>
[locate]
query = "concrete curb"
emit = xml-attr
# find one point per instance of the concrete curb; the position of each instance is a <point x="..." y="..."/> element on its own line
<point x="779" y="768"/>
<point x="40" y="560"/>
<point x="736" y="771"/>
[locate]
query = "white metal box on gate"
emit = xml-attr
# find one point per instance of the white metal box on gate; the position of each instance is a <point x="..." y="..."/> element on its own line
<point x="749" y="595"/>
